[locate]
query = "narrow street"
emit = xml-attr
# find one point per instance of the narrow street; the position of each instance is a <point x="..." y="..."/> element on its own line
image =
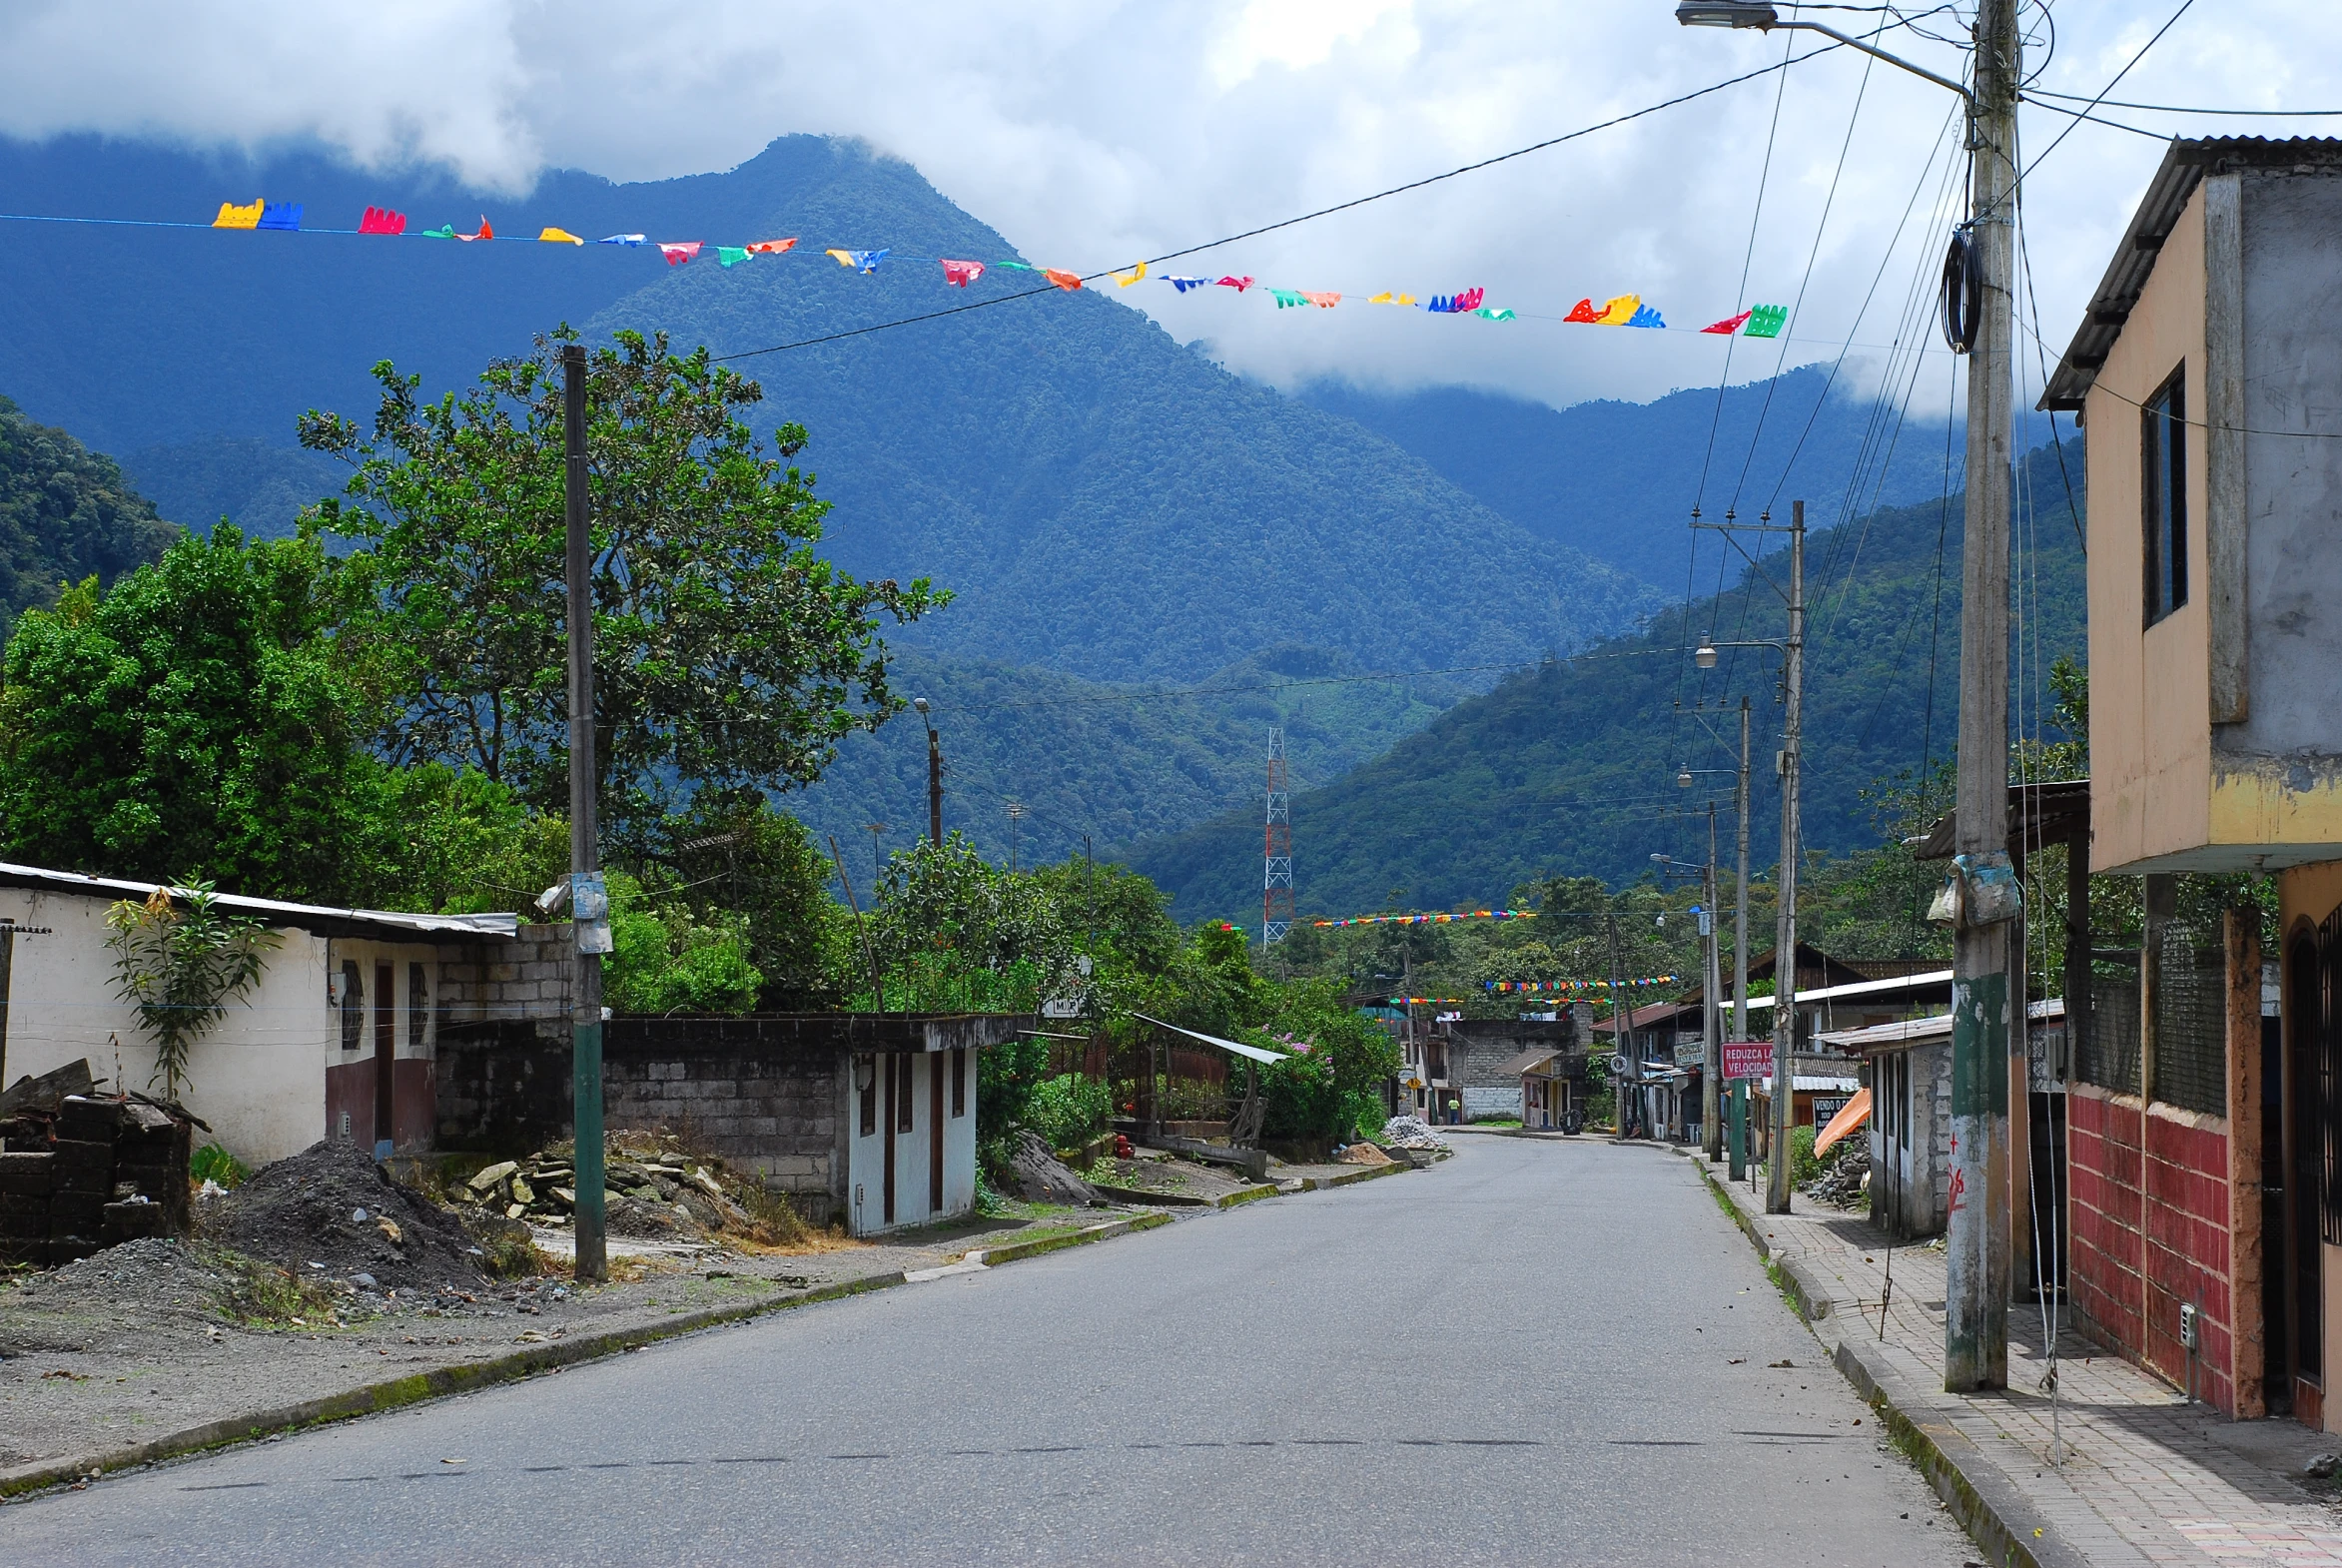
<point x="1535" y="1353"/>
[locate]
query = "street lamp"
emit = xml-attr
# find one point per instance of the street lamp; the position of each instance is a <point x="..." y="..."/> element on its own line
<point x="935" y="777"/>
<point x="1705" y="654"/>
<point x="1978" y="1259"/>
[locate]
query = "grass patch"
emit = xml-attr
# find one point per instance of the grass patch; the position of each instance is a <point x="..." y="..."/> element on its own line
<point x="261" y="1295"/>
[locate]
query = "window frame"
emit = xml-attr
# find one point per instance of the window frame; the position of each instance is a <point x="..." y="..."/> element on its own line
<point x="353" y="1006"/>
<point x="2163" y="497"/>
<point x="866" y="1093"/>
<point x="959" y="1084"/>
<point x="906" y="1101"/>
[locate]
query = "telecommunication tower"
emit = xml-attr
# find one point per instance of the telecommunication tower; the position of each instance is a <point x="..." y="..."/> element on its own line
<point x="1276" y="888"/>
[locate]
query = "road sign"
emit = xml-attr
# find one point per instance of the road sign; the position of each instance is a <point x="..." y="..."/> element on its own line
<point x="1826" y="1106"/>
<point x="1748" y="1057"/>
<point x="1060" y="1007"/>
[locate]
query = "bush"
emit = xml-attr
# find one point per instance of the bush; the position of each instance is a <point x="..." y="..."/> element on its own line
<point x="1804" y="1168"/>
<point x="1069" y="1109"/>
<point x="214" y="1163"/>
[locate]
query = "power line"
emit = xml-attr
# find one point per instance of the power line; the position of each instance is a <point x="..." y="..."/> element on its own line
<point x="2102" y="101"/>
<point x="2027" y="173"/>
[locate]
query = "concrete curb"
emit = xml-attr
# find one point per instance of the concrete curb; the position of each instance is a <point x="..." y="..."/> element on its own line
<point x="1244" y="1194"/>
<point x="420" y="1386"/>
<point x="2008" y="1529"/>
<point x="994" y="1257"/>
<point x="1352" y="1177"/>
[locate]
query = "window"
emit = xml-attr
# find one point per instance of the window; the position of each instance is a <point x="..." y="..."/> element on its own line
<point x="353" y="1006"/>
<point x="2164" y="494"/>
<point x="903" y="1102"/>
<point x="959" y="1083"/>
<point x="866" y="1080"/>
<point x="418" y="1006"/>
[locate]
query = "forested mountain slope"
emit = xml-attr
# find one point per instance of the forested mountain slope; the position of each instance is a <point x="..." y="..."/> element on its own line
<point x="65" y="513"/>
<point x="1571" y="768"/>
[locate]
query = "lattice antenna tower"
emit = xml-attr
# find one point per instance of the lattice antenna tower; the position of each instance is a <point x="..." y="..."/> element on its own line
<point x="1276" y="886"/>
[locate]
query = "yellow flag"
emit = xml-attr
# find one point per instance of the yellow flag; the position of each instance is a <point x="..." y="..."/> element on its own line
<point x="1131" y="276"/>
<point x="845" y="257"/>
<point x="1619" y="311"/>
<point x="235" y="217"/>
<point x="560" y="236"/>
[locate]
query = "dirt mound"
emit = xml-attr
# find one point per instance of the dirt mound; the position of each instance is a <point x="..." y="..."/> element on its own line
<point x="1363" y="1155"/>
<point x="331" y="1204"/>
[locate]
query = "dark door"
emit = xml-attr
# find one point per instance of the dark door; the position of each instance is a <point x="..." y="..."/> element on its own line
<point x="2277" y="1340"/>
<point x="385" y="1056"/>
<point x="893" y="1062"/>
<point x="2306" y="1024"/>
<point x="935" y="1134"/>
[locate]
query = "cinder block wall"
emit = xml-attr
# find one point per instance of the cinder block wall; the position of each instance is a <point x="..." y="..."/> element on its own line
<point x="2149" y="1211"/>
<point x="496" y="982"/>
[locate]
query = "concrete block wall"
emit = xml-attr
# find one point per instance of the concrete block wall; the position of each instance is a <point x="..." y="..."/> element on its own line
<point x="772" y="1112"/>
<point x="526" y="978"/>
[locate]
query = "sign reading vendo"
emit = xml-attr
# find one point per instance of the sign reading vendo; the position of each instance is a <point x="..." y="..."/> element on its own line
<point x="1748" y="1057"/>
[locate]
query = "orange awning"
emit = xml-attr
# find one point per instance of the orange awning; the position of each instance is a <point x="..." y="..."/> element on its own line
<point x="1857" y="1112"/>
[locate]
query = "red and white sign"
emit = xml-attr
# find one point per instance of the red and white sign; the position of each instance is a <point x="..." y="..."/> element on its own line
<point x="1748" y="1059"/>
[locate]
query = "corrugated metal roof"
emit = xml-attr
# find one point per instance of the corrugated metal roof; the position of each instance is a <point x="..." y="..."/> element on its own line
<point x="322" y="920"/>
<point x="1513" y="1065"/>
<point x="2185" y="163"/>
<point x="1904" y="984"/>
<point x="1935" y="1025"/>
<point x="1236" y="1046"/>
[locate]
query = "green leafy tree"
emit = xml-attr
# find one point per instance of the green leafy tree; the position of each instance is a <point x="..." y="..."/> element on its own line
<point x="734" y="854"/>
<point x="664" y="959"/>
<point x="179" y="961"/>
<point x="194" y="713"/>
<point x="727" y="651"/>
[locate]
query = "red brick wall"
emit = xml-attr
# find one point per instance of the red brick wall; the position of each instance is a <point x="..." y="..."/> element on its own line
<point x="2103" y="1172"/>
<point x="2149" y="1216"/>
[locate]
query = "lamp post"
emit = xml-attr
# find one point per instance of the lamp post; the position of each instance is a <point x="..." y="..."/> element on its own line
<point x="1976" y="1261"/>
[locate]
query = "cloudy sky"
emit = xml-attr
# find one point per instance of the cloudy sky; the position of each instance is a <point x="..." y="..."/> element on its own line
<point x="1095" y="133"/>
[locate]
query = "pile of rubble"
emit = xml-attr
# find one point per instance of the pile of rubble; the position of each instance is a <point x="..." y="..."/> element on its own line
<point x="654" y="1193"/>
<point x="332" y="1213"/>
<point x="80" y="1171"/>
<point x="1411" y="1133"/>
<point x="1844" y="1182"/>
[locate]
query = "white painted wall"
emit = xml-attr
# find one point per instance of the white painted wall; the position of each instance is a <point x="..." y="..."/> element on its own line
<point x="866" y="1156"/>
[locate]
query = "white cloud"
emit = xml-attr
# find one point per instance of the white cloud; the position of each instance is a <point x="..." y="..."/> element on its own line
<point x="1091" y="133"/>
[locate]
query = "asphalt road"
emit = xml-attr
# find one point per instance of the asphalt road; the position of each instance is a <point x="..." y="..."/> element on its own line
<point x="1536" y="1353"/>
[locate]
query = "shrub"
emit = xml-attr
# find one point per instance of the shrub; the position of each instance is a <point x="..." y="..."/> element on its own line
<point x="214" y="1163"/>
<point x="1069" y="1109"/>
<point x="1804" y="1168"/>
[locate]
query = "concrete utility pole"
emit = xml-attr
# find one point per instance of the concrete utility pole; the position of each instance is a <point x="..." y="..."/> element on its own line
<point x="1629" y="1081"/>
<point x="1975" y="1317"/>
<point x="1711" y="1005"/>
<point x="1776" y="1171"/>
<point x="1739" y="914"/>
<point x="588" y="904"/>
<point x="935" y="777"/>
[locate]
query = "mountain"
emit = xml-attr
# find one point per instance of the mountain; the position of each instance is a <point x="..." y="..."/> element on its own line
<point x="1570" y="769"/>
<point x="65" y="513"/>
<point x="1106" y="764"/>
<point x="1618" y="479"/>
<point x="1106" y="502"/>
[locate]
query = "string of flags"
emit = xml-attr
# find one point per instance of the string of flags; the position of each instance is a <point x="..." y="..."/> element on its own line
<point x="1627" y="310"/>
<point x="1425" y="1002"/>
<point x="1427" y="919"/>
<point x="1579" y="987"/>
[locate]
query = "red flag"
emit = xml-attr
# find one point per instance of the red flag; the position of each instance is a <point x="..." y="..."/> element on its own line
<point x="379" y="219"/>
<point x="677" y="251"/>
<point x="1730" y="324"/>
<point x="1583" y="311"/>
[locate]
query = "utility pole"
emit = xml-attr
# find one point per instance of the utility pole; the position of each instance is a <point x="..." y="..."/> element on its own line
<point x="935" y="777"/>
<point x="1630" y="1081"/>
<point x="1976" y="1317"/>
<point x="1740" y="915"/>
<point x="1777" y="1173"/>
<point x="1711" y="1006"/>
<point x="1015" y="811"/>
<point x="876" y="831"/>
<point x="589" y="905"/>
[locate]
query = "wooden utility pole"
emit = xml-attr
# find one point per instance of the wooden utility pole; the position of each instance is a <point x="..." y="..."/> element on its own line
<point x="935" y="777"/>
<point x="1792" y="674"/>
<point x="1630" y="1079"/>
<point x="588" y="902"/>
<point x="1975" y="1317"/>
<point x="1711" y="1005"/>
<point x="1739" y="914"/>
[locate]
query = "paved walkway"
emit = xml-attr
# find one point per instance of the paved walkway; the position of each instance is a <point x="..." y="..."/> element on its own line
<point x="2140" y="1475"/>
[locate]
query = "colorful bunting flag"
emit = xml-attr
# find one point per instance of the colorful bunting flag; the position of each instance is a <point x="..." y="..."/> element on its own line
<point x="731" y="255"/>
<point x="485" y="233"/>
<point x="677" y="251"/>
<point x="1583" y="311"/>
<point x="1287" y="296"/>
<point x="1324" y="301"/>
<point x="1620" y="311"/>
<point x="379" y="219"/>
<point x="235" y="217"/>
<point x="961" y="274"/>
<point x="1646" y="316"/>
<point x="622" y="238"/>
<point x="1729" y="324"/>
<point x="1495" y="314"/>
<point x="1185" y="284"/>
<point x="770" y="247"/>
<point x="1066" y="280"/>
<point x="859" y="260"/>
<point x="1388" y="298"/>
<point x="1765" y="320"/>
<point x="1125" y="279"/>
<point x="1237" y="284"/>
<point x="282" y="214"/>
<point x="558" y="237"/>
<point x="442" y="232"/>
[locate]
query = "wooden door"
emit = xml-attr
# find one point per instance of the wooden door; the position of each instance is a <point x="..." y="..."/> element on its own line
<point x="385" y="1057"/>
<point x="935" y="1134"/>
<point x="893" y="1062"/>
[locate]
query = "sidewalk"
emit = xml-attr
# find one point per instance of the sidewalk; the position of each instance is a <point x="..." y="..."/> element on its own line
<point x="2145" y="1477"/>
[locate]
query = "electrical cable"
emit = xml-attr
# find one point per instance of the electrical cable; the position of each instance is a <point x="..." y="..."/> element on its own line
<point x="2025" y="172"/>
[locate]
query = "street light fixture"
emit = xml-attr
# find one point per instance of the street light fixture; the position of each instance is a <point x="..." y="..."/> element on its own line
<point x="1705" y="654"/>
<point x="1764" y="18"/>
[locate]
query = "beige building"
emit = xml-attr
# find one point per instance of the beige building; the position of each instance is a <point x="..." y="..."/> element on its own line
<point x="2208" y="374"/>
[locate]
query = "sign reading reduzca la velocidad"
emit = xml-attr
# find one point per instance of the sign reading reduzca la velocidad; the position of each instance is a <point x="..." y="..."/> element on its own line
<point x="1748" y="1057"/>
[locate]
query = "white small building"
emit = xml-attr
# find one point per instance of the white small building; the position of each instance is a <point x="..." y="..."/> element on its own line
<point x="336" y="1039"/>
